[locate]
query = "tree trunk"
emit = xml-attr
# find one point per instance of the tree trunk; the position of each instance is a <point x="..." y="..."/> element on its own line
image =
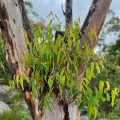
<point x="14" y="25"/>
<point x="68" y="12"/>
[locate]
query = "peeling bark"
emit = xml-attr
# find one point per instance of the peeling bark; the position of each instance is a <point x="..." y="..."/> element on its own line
<point x="26" y="24"/>
<point x="13" y="34"/>
<point x="14" y="25"/>
<point x="33" y="105"/>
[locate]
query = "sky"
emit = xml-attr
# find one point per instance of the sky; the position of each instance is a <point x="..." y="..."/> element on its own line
<point x="80" y="8"/>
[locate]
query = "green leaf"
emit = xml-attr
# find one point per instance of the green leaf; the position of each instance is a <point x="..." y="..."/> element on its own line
<point x="114" y="93"/>
<point x="17" y="77"/>
<point x="75" y="64"/>
<point x="57" y="44"/>
<point x="37" y="75"/>
<point x="92" y="67"/>
<point x="50" y="82"/>
<point x="90" y="35"/>
<point x="88" y="73"/>
<point x="97" y="67"/>
<point x="103" y="99"/>
<point x="95" y="100"/>
<point x="95" y="110"/>
<point x="21" y="82"/>
<point x="58" y="57"/>
<point x="3" y="68"/>
<point x="50" y="23"/>
<point x="62" y="72"/>
<point x="34" y="89"/>
<point x="107" y="86"/>
<point x="60" y="89"/>
<point x="108" y="96"/>
<point x="78" y="48"/>
<point x="69" y="42"/>
<point x="101" y="64"/>
<point x="101" y="86"/>
<point x="63" y="80"/>
<point x="90" y="111"/>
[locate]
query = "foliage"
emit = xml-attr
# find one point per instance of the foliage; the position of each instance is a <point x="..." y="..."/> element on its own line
<point x="17" y="105"/>
<point x="53" y="67"/>
<point x="16" y="114"/>
<point x="2" y="55"/>
<point x="111" y="60"/>
<point x="111" y="74"/>
<point x="5" y="73"/>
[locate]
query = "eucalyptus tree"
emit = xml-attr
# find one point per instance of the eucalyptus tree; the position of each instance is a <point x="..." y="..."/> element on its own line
<point x="15" y="27"/>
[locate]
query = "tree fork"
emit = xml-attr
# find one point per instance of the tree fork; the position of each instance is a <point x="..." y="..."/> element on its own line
<point x="13" y="22"/>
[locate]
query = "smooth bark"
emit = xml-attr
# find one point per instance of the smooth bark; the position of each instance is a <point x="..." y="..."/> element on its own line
<point x="93" y="22"/>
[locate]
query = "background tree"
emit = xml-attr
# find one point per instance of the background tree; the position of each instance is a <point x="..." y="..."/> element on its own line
<point x="110" y="55"/>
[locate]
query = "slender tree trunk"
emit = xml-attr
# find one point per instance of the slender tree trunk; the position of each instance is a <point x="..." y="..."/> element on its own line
<point x="14" y="25"/>
<point x="68" y="12"/>
<point x="68" y="17"/>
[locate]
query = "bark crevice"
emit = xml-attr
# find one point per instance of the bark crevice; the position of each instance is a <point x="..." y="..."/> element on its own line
<point x="66" y="112"/>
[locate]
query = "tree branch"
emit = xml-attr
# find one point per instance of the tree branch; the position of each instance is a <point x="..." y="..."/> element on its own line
<point x="93" y="23"/>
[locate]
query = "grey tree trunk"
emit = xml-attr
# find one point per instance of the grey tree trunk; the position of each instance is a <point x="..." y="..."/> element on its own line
<point x="14" y="25"/>
<point x="68" y="12"/>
